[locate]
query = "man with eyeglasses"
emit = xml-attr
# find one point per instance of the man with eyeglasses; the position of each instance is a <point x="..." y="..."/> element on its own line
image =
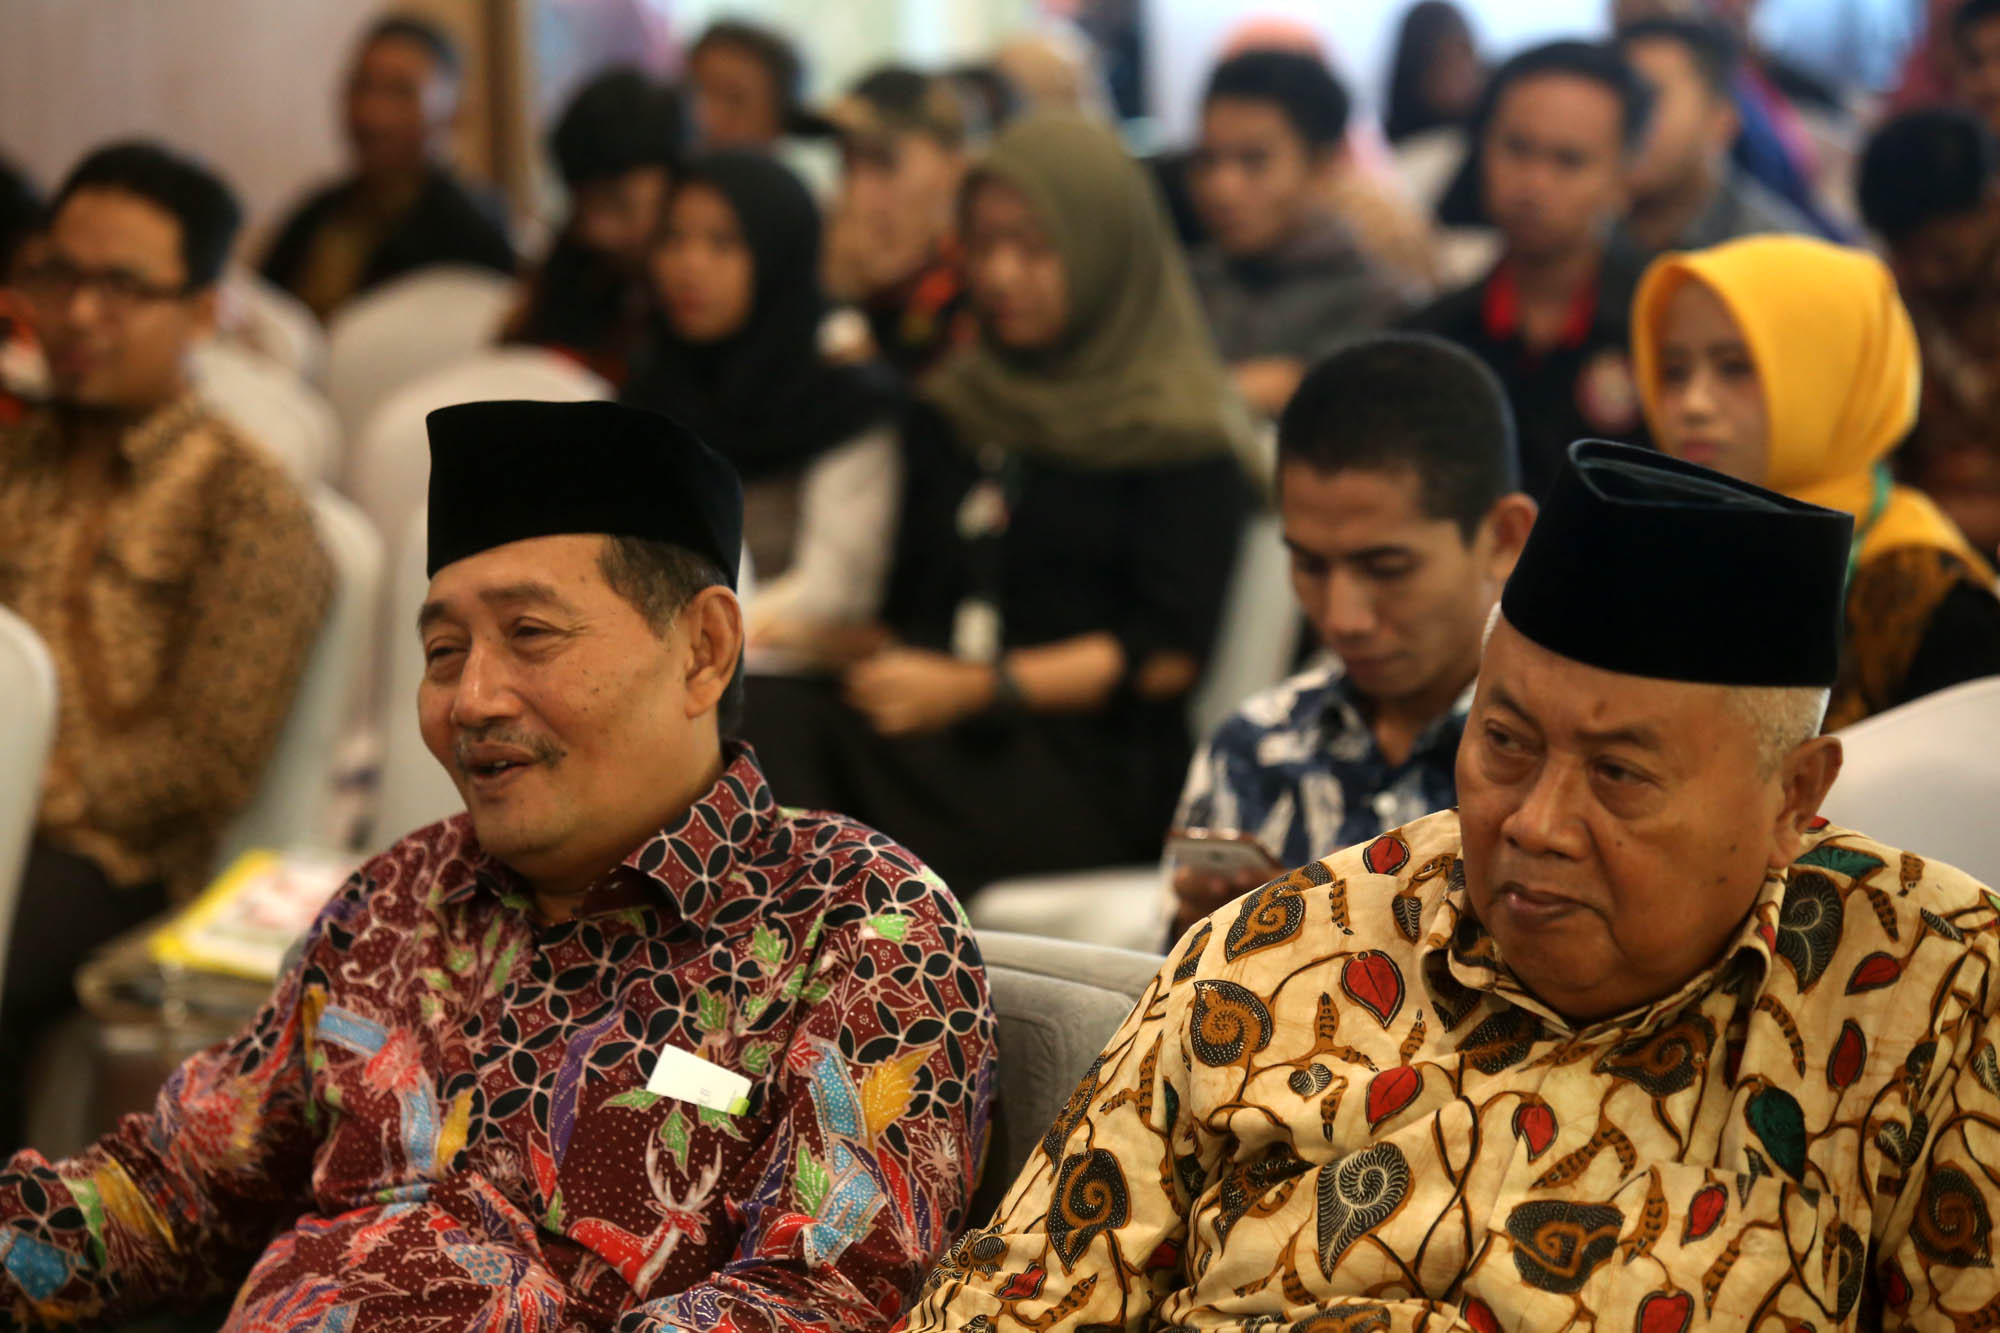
<point x="170" y="566"/>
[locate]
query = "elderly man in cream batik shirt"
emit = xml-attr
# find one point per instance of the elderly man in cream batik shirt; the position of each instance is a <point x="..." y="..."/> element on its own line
<point x="1631" y="1040"/>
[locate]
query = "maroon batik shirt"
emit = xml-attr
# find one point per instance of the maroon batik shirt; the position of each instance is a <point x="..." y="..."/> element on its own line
<point x="439" y="1121"/>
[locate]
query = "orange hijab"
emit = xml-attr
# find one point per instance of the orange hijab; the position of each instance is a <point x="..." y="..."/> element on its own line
<point x="1837" y="358"/>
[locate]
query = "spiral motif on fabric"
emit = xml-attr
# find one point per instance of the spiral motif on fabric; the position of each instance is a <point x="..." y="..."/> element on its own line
<point x="1090" y="1199"/>
<point x="1359" y="1194"/>
<point x="1269" y="916"/>
<point x="1229" y="1020"/>
<point x="1665" y="1062"/>
<point x="1558" y="1245"/>
<point x="1952" y="1226"/>
<point x="1809" y="925"/>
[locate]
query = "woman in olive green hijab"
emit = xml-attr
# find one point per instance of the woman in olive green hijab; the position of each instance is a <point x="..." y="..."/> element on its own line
<point x="1073" y="501"/>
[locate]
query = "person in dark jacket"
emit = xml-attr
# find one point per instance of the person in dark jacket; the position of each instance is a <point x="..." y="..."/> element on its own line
<point x="618" y="146"/>
<point x="401" y="208"/>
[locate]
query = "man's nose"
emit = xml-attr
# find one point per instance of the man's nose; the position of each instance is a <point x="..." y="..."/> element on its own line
<point x="1547" y="822"/>
<point x="485" y="689"/>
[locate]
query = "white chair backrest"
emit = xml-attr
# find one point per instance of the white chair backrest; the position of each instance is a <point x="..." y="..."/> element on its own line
<point x="406" y="328"/>
<point x="1925" y="777"/>
<point x="1259" y="631"/>
<point x="272" y="407"/>
<point x="263" y="317"/>
<point x="414" y="789"/>
<point x="389" y="467"/>
<point x="27" y="729"/>
<point x="295" y="793"/>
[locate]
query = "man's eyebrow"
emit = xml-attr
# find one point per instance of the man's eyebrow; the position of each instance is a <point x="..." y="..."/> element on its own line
<point x="1638" y="734"/>
<point x="513" y="594"/>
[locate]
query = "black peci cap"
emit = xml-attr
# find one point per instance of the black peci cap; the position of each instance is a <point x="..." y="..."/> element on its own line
<point x="507" y="471"/>
<point x="1650" y="566"/>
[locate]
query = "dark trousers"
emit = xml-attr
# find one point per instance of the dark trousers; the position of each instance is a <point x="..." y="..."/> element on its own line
<point x="977" y="802"/>
<point x="68" y="907"/>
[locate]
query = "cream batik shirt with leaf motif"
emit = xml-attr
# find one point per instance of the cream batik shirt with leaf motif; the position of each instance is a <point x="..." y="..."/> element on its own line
<point x="1336" y="1110"/>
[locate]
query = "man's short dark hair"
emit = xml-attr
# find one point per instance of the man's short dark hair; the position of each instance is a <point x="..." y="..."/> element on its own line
<point x="1596" y="61"/>
<point x="1408" y="400"/>
<point x="768" y="48"/>
<point x="21" y="214"/>
<point x="659" y="579"/>
<point x="1969" y="16"/>
<point x="621" y="120"/>
<point x="1708" y="46"/>
<point x="194" y="196"/>
<point x="1924" y="166"/>
<point x="1299" y="85"/>
<point x="438" y="44"/>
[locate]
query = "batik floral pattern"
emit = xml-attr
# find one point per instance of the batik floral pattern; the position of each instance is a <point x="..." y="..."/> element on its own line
<point x="1312" y="1122"/>
<point x="440" y="1120"/>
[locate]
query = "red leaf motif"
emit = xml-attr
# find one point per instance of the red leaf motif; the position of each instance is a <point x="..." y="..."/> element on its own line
<point x="1024" y="1286"/>
<point x="1390" y="1091"/>
<point x="1769" y="934"/>
<point x="1816" y="823"/>
<point x="1665" y="1312"/>
<point x="1372" y="981"/>
<point x="1386" y="855"/>
<point x="1168" y="1255"/>
<point x="1536" y="1124"/>
<point x="1874" y="972"/>
<point x="1895" y="1287"/>
<point x="1705" y="1210"/>
<point x="1480" y="1315"/>
<point x="1850" y="1053"/>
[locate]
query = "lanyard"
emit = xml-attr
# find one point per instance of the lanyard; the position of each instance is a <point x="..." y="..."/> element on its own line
<point x="1879" y="503"/>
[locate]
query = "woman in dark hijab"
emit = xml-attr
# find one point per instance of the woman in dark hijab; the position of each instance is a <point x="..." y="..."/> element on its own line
<point x="1437" y="76"/>
<point x="745" y="351"/>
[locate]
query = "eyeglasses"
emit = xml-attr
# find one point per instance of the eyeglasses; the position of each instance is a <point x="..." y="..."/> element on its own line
<point x="57" y="281"/>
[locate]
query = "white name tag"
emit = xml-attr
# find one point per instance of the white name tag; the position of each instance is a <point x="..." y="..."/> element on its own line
<point x="687" y="1076"/>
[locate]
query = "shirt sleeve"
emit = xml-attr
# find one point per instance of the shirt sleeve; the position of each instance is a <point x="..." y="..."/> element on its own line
<point x="1092" y="1232"/>
<point x="847" y="507"/>
<point x="886" y="1085"/>
<point x="1933" y="1255"/>
<point x="1185" y="526"/>
<point x="173" y="1205"/>
<point x="198" y="751"/>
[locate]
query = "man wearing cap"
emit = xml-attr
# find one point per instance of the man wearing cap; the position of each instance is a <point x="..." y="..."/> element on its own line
<point x="626" y="1045"/>
<point x="892" y="247"/>
<point x="1632" y="1038"/>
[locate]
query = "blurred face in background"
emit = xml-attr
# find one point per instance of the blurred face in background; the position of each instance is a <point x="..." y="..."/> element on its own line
<point x="111" y="305"/>
<point x="1555" y="169"/>
<point x="1976" y="71"/>
<point x="1255" y="179"/>
<point x="898" y="192"/>
<point x="1949" y="270"/>
<point x="1690" y="128"/>
<point x="618" y="217"/>
<point x="703" y="270"/>
<point x="1452" y="84"/>
<point x="1711" y="408"/>
<point x="1013" y="269"/>
<point x="400" y="105"/>
<point x="737" y="103"/>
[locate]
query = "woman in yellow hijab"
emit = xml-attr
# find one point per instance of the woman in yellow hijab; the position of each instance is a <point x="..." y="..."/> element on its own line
<point x="1791" y="363"/>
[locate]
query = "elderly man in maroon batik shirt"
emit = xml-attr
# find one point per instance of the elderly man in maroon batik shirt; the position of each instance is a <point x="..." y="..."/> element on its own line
<point x="626" y="1044"/>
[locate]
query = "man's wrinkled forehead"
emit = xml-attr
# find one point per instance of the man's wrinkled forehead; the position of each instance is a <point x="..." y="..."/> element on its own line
<point x="550" y="572"/>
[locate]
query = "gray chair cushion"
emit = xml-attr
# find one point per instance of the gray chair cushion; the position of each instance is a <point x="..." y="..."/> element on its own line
<point x="1057" y="1004"/>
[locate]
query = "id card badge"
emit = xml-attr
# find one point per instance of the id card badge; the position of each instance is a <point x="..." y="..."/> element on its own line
<point x="687" y="1076"/>
<point x="975" y="631"/>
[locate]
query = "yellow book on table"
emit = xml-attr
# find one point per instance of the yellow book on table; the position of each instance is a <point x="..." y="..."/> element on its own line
<point x="243" y="924"/>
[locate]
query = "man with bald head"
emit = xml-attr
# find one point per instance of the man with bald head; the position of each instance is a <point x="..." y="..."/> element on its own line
<point x="1632" y="1037"/>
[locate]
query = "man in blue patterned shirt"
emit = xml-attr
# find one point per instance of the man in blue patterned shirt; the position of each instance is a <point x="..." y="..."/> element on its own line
<point x="1398" y="485"/>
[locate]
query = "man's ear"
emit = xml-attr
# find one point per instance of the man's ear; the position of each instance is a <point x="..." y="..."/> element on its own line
<point x="1723" y="125"/>
<point x="205" y="308"/>
<point x="1505" y="529"/>
<point x="714" y="625"/>
<point x="1808" y="774"/>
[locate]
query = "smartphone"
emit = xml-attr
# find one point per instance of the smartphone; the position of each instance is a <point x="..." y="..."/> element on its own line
<point x="1216" y="852"/>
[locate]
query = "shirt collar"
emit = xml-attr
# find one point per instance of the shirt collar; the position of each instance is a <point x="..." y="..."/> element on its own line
<point x="1457" y="944"/>
<point x="685" y="866"/>
<point x="1346" y="712"/>
<point x="1500" y="307"/>
<point x="142" y="444"/>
